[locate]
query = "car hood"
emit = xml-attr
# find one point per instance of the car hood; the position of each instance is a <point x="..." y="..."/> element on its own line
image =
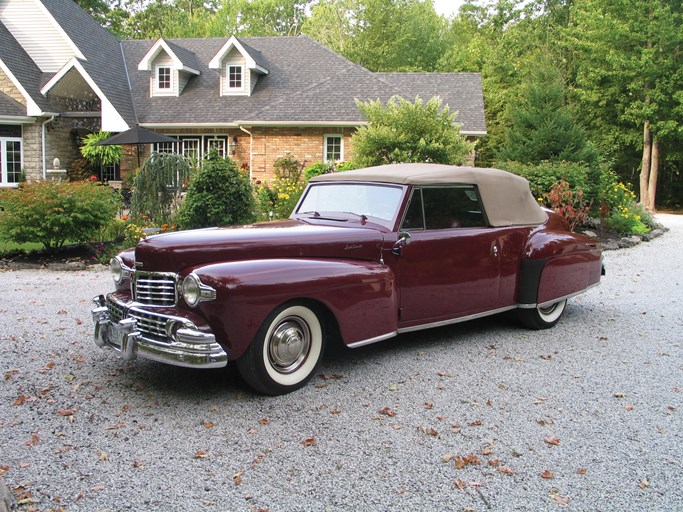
<point x="172" y="252"/>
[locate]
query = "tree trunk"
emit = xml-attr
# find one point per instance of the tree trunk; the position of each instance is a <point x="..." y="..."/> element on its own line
<point x="654" y="172"/>
<point x="645" y="168"/>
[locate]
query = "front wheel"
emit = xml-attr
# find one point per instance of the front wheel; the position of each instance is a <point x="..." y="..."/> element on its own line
<point x="285" y="352"/>
<point x="542" y="317"/>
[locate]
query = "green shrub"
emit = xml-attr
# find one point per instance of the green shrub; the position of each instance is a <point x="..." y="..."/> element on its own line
<point x="52" y="212"/>
<point x="288" y="168"/>
<point x="327" y="168"/>
<point x="218" y="195"/>
<point x="544" y="176"/>
<point x="158" y="185"/>
<point x="620" y="212"/>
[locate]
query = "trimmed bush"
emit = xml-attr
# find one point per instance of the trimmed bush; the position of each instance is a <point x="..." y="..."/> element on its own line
<point x="544" y="176"/>
<point x="218" y="195"/>
<point x="51" y="212"/>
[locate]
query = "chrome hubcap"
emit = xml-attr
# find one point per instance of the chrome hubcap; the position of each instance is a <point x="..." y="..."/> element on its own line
<point x="289" y="345"/>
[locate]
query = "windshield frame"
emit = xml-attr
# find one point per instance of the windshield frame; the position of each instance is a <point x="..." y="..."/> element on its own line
<point x="348" y="216"/>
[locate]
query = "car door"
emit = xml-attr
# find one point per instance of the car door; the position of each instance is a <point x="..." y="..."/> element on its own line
<point x="450" y="266"/>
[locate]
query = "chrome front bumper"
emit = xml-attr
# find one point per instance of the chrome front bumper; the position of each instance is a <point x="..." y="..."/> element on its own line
<point x="179" y="342"/>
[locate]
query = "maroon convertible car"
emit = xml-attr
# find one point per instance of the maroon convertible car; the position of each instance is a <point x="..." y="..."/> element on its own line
<point x="366" y="254"/>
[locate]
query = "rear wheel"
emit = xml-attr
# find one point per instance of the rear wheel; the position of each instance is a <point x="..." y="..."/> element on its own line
<point x="286" y="351"/>
<point x="542" y="317"/>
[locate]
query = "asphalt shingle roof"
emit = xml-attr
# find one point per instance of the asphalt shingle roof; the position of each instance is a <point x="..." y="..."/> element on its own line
<point x="306" y="82"/>
<point x="10" y="106"/>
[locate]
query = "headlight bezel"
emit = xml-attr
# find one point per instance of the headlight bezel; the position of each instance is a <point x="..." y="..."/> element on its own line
<point x="118" y="270"/>
<point x="194" y="292"/>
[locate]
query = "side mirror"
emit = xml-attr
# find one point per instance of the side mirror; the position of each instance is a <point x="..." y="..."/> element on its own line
<point x="404" y="240"/>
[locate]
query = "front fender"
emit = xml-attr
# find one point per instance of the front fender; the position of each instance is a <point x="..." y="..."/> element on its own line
<point x="361" y="296"/>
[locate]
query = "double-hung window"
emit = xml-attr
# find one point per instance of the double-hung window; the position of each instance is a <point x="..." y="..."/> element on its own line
<point x="10" y="155"/>
<point x="234" y="77"/>
<point x="334" y="148"/>
<point x="164" y="79"/>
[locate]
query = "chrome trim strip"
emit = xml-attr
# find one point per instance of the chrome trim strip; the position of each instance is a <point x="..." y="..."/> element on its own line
<point x="370" y="341"/>
<point x="553" y="301"/>
<point x="456" y="320"/>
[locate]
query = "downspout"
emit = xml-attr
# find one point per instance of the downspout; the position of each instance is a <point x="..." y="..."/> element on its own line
<point x="251" y="152"/>
<point x="43" y="140"/>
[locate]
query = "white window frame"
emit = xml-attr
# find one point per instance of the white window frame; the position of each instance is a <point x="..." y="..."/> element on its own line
<point x="3" y="160"/>
<point x="326" y="137"/>
<point x="157" y="71"/>
<point x="191" y="148"/>
<point x="218" y="143"/>
<point x="228" y="67"/>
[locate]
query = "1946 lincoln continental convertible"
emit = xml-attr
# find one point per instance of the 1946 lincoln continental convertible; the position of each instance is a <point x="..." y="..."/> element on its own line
<point x="365" y="255"/>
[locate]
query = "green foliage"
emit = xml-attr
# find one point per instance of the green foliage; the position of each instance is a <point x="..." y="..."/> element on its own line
<point x="158" y="185"/>
<point x="100" y="155"/>
<point x="542" y="128"/>
<point x="409" y="132"/>
<point x="545" y="175"/>
<point x="53" y="212"/>
<point x="381" y="35"/>
<point x="218" y="195"/>
<point x="327" y="168"/>
<point x="620" y="211"/>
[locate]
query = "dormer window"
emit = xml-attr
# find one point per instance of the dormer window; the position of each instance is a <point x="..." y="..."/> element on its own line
<point x="234" y="74"/>
<point x="164" y="79"/>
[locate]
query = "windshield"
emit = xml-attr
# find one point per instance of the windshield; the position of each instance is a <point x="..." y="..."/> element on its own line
<point x="362" y="199"/>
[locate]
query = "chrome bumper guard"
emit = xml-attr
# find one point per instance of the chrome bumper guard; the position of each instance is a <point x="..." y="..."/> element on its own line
<point x="183" y="345"/>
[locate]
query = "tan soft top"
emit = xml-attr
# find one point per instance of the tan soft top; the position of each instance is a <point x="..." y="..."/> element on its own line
<point x="506" y="196"/>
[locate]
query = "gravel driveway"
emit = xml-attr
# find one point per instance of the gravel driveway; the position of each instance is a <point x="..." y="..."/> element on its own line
<point x="478" y="416"/>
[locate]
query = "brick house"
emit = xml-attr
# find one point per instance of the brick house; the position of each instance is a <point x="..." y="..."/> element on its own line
<point x="256" y="99"/>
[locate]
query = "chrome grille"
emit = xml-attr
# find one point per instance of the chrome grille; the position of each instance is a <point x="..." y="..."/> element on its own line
<point x="154" y="289"/>
<point x="116" y="312"/>
<point x="150" y="323"/>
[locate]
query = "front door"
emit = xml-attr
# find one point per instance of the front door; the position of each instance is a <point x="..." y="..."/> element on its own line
<point x="451" y="266"/>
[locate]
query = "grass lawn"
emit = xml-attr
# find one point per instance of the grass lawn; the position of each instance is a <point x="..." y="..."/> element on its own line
<point x="11" y="246"/>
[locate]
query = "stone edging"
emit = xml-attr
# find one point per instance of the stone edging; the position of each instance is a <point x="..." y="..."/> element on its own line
<point x="629" y="241"/>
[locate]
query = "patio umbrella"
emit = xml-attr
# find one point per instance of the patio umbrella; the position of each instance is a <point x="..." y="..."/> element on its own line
<point x="138" y="136"/>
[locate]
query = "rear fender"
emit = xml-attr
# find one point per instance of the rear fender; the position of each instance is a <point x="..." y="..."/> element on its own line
<point x="557" y="265"/>
<point x="360" y="295"/>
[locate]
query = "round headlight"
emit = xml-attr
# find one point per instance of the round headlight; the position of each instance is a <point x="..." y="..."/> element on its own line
<point x="191" y="290"/>
<point x="116" y="270"/>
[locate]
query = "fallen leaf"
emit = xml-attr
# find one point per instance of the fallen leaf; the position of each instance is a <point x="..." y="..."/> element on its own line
<point x="629" y="407"/>
<point x="138" y="465"/>
<point x="644" y="483"/>
<point x="66" y="412"/>
<point x="547" y="474"/>
<point x="447" y="458"/>
<point x="476" y="423"/>
<point x="488" y="451"/>
<point x="103" y="456"/>
<point x="429" y="406"/>
<point x="619" y="394"/>
<point x="199" y="454"/>
<point x="237" y="477"/>
<point x="264" y="421"/>
<point x="208" y="424"/>
<point x="335" y="411"/>
<point x="10" y="374"/>
<point x="582" y="471"/>
<point x="387" y="412"/>
<point x="546" y="356"/>
<point x="560" y="500"/>
<point x="98" y="488"/>
<point x="460" y="484"/>
<point x="554" y="441"/>
<point x="21" y="400"/>
<point x="494" y="462"/>
<point x="428" y="431"/>
<point x="506" y="470"/>
<point x="443" y="374"/>
<point x="393" y="387"/>
<point x="309" y="441"/>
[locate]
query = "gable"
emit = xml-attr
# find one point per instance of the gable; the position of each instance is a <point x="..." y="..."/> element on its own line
<point x="36" y="30"/>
